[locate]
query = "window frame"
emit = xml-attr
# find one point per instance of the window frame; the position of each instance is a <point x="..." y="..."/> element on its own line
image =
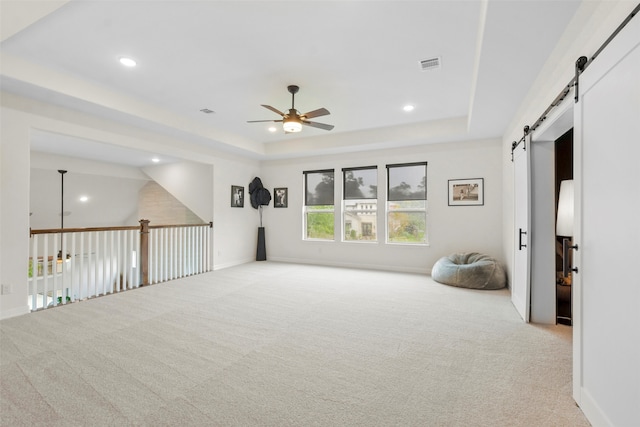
<point x="372" y="201"/>
<point x="409" y="210"/>
<point x="306" y="206"/>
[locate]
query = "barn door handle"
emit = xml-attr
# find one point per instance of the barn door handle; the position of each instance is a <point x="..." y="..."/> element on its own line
<point x="566" y="265"/>
<point x="520" y="245"/>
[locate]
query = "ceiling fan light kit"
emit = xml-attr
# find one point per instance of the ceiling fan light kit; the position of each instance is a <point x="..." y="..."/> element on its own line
<point x="291" y="125"/>
<point x="292" y="121"/>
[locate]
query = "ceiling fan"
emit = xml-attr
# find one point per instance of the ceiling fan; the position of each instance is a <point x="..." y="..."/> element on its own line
<point x="292" y="120"/>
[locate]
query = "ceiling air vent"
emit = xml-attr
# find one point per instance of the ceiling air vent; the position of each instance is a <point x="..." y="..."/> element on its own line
<point x="207" y="111"/>
<point x="430" y="64"/>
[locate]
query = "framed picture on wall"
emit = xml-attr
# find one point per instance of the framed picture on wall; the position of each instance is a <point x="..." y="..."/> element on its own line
<point x="281" y="197"/>
<point x="237" y="196"/>
<point x="466" y="192"/>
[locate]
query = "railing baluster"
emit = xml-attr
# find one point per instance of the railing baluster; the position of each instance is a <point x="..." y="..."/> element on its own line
<point x="82" y="282"/>
<point x="54" y="267"/>
<point x="194" y="259"/>
<point x="165" y="261"/>
<point x="63" y="269"/>
<point x="154" y="257"/>
<point x="35" y="268"/>
<point x="184" y="258"/>
<point x="189" y="263"/>
<point x="93" y="265"/>
<point x="194" y="256"/>
<point x="72" y="266"/>
<point x="135" y="266"/>
<point x="203" y="249"/>
<point x="137" y="273"/>
<point x="170" y="257"/>
<point x="111" y="269"/>
<point x="103" y="264"/>
<point x="118" y="261"/>
<point x="197" y="232"/>
<point x="180" y="253"/>
<point x="100" y="261"/>
<point x="45" y="269"/>
<point x="130" y="260"/>
<point x="125" y="260"/>
<point x="159" y="262"/>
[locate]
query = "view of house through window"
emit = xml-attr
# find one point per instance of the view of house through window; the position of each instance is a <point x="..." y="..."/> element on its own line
<point x="360" y="203"/>
<point x="407" y="203"/>
<point x="318" y="205"/>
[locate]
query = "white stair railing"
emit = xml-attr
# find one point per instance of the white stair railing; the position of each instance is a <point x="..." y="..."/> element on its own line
<point x="177" y="251"/>
<point x="76" y="264"/>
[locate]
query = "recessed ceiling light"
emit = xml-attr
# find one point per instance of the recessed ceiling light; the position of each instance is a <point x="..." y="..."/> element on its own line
<point x="83" y="198"/>
<point x="127" y="62"/>
<point x="272" y="129"/>
<point x="155" y="160"/>
<point x="408" y="108"/>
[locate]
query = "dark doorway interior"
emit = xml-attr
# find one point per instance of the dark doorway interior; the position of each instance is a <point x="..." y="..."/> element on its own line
<point x="564" y="171"/>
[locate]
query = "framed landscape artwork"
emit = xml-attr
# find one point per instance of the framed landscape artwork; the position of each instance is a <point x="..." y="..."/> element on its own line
<point x="237" y="196"/>
<point x="466" y="192"/>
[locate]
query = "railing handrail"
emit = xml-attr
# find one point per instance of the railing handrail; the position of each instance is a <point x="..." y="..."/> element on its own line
<point x="116" y="228"/>
<point x="209" y="224"/>
<point x="80" y="230"/>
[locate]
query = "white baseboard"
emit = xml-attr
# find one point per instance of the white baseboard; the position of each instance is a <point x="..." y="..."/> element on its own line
<point x="232" y="264"/>
<point x="17" y="311"/>
<point x="592" y="410"/>
<point x="380" y="267"/>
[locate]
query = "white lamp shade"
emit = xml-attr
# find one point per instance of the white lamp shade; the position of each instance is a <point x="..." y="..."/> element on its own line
<point x="292" y="126"/>
<point x="564" y="226"/>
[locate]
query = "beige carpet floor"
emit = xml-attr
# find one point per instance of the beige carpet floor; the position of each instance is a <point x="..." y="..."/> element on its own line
<point x="274" y="344"/>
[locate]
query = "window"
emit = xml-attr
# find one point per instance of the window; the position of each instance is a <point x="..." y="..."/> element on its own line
<point x="407" y="203"/>
<point x="318" y="205"/>
<point x="360" y="203"/>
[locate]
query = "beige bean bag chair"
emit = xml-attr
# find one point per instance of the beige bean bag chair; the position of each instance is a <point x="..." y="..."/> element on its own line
<point x="469" y="270"/>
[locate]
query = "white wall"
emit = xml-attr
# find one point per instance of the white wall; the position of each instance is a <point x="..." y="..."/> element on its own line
<point x="450" y="228"/>
<point x="160" y="207"/>
<point x="112" y="192"/>
<point x="190" y="182"/>
<point x="235" y="230"/>
<point x="14" y="215"/>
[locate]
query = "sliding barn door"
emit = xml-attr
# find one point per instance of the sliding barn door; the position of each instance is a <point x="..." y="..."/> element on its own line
<point x="520" y="282"/>
<point x="607" y="231"/>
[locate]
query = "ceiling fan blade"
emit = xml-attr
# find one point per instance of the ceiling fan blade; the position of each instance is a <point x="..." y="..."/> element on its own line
<point x="275" y="110"/>
<point x="260" y="121"/>
<point x="316" y="113"/>
<point x="317" y="125"/>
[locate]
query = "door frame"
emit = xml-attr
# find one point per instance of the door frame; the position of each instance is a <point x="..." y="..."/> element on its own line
<point x="542" y="234"/>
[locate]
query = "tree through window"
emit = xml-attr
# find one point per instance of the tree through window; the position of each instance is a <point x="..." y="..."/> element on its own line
<point x="407" y="203"/>
<point x="318" y="204"/>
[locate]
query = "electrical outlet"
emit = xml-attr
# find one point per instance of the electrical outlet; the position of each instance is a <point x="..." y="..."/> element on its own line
<point x="6" y="289"/>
